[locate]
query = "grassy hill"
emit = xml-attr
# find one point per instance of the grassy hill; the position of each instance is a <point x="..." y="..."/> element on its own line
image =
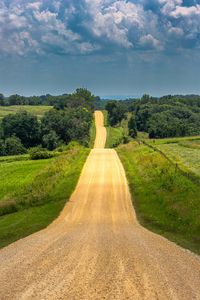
<point x="166" y="200"/>
<point x="36" y="110"/>
<point x="34" y="192"/>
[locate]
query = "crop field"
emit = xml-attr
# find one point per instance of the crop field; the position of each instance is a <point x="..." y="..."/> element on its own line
<point x="38" y="111"/>
<point x="183" y="151"/>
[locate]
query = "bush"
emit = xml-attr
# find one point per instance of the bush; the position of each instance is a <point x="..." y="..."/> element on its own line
<point x="23" y="125"/>
<point x="51" y="140"/>
<point x="8" y="207"/>
<point x="132" y="127"/>
<point x="40" y="153"/>
<point x="13" y="146"/>
<point x="2" y="148"/>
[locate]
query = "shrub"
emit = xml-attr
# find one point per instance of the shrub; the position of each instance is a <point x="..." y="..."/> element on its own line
<point x="51" y="140"/>
<point x="13" y="146"/>
<point x="8" y="207"/>
<point x="23" y="125"/>
<point x="2" y="148"/>
<point x="40" y="153"/>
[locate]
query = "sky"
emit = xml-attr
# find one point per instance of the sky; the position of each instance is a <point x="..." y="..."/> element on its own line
<point x="123" y="47"/>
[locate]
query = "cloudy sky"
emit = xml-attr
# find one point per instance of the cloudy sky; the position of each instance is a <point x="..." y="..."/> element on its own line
<point x="123" y="47"/>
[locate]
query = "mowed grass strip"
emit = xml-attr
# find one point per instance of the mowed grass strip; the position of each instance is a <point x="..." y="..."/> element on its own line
<point x="40" y="201"/>
<point x="166" y="202"/>
<point x="37" y="110"/>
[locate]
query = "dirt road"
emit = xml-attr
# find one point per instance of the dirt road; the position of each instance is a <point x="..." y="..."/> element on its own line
<point x="96" y="249"/>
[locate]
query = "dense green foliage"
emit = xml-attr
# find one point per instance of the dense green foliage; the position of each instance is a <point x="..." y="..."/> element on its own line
<point x="23" y="125"/>
<point x="68" y="124"/>
<point x="11" y="146"/>
<point x="81" y="97"/>
<point x="168" y="116"/>
<point x="165" y="201"/>
<point x="116" y="112"/>
<point x="36" y="190"/>
<point x="40" y="153"/>
<point x="70" y="119"/>
<point x="132" y="128"/>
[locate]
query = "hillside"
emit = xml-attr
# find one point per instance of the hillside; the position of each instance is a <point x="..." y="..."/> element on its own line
<point x="38" y="111"/>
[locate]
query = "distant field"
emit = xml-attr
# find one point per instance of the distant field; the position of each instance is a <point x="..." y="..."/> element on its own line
<point x="36" y="110"/>
<point x="183" y="151"/>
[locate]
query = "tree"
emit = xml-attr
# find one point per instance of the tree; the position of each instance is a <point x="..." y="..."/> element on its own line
<point x="116" y="112"/>
<point x="68" y="124"/>
<point x="15" y="100"/>
<point x="13" y="146"/>
<point x="23" y="125"/>
<point x="2" y="147"/>
<point x="2" y="103"/>
<point x="132" y="127"/>
<point x="51" y="140"/>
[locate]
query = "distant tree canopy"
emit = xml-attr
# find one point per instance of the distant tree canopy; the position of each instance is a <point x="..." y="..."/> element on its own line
<point x="132" y="128"/>
<point x="162" y="119"/>
<point x="168" y="116"/>
<point x="24" y="126"/>
<point x="69" y="120"/>
<point x="68" y="124"/>
<point x="116" y="112"/>
<point x="81" y="97"/>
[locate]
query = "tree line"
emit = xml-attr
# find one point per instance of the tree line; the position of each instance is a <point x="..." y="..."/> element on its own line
<point x="62" y="124"/>
<point x="167" y="116"/>
<point x="80" y="97"/>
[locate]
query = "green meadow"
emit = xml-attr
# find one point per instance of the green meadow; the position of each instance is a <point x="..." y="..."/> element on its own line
<point x="38" y="111"/>
<point x="185" y="152"/>
<point x="34" y="192"/>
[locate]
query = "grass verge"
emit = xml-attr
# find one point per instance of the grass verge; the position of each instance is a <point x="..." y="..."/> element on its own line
<point x="166" y="202"/>
<point x="40" y="202"/>
<point x="115" y="135"/>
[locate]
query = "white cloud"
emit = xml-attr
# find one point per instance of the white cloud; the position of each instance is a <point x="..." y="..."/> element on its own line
<point x="150" y="42"/>
<point x="182" y="11"/>
<point x="85" y="26"/>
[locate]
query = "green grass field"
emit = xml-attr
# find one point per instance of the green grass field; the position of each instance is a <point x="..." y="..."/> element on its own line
<point x="36" y="110"/>
<point x="166" y="202"/>
<point x="15" y="175"/>
<point x="183" y="151"/>
<point x="39" y="190"/>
